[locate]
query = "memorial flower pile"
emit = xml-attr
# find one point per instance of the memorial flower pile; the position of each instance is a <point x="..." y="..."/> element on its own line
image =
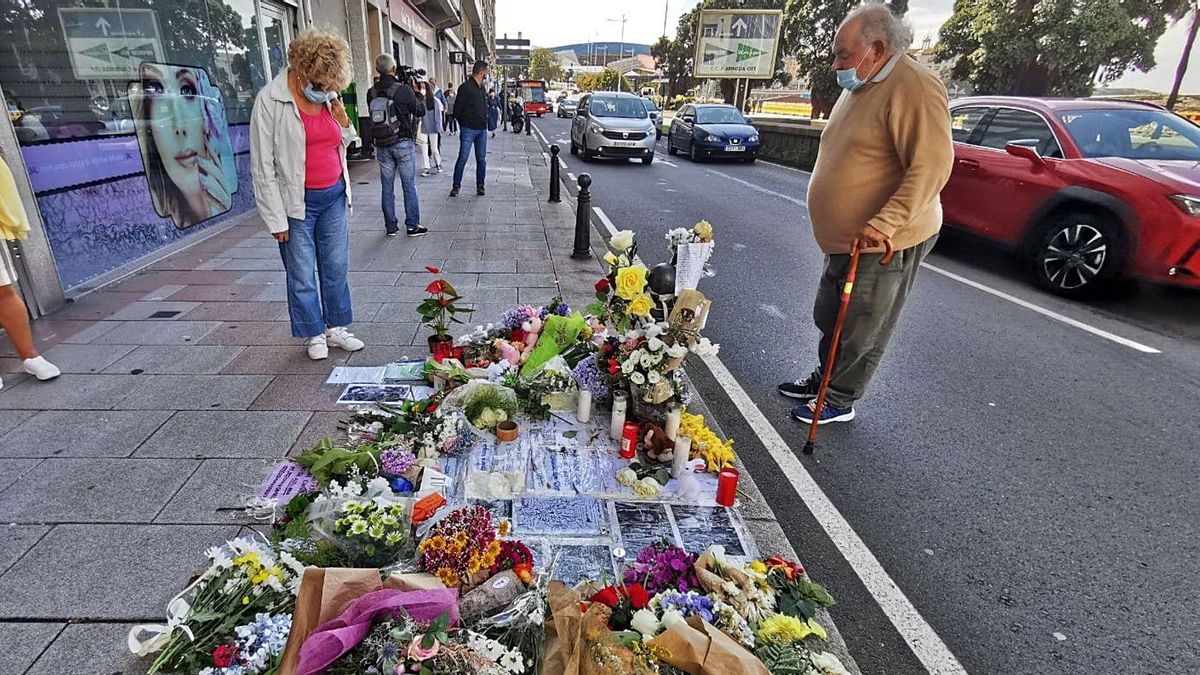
<point x="660" y="567"/>
<point x="460" y="547"/>
<point x="254" y="648"/>
<point x="371" y="534"/>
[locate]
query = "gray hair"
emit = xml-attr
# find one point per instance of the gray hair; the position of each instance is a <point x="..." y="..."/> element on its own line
<point x="384" y="64"/>
<point x="879" y="23"/>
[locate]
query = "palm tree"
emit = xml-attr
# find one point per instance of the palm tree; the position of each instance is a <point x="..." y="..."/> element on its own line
<point x="1183" y="8"/>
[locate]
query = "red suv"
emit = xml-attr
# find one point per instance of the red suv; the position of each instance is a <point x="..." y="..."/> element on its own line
<point x="1091" y="190"/>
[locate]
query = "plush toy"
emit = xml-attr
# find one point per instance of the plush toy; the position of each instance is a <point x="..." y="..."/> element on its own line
<point x="531" y="327"/>
<point x="508" y="352"/>
<point x="659" y="448"/>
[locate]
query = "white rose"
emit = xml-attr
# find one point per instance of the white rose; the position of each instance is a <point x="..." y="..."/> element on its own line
<point x="628" y="365"/>
<point x="626" y="477"/>
<point x="637" y="378"/>
<point x="670" y="618"/>
<point x="653" y="377"/>
<point x="704" y="347"/>
<point x="654" y="344"/>
<point x="657" y="359"/>
<point x="647" y="360"/>
<point x="827" y="663"/>
<point x="622" y="240"/>
<point x="677" y="351"/>
<point x="645" y="623"/>
<point x="654" y="330"/>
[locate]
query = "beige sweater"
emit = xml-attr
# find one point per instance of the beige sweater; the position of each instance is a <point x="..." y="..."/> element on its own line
<point x="884" y="157"/>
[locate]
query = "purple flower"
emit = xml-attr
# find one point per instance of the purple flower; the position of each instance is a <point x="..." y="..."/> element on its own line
<point x="688" y="604"/>
<point x="660" y="567"/>
<point x="587" y="377"/>
<point x="560" y="309"/>
<point x="395" y="461"/>
<point x="514" y="317"/>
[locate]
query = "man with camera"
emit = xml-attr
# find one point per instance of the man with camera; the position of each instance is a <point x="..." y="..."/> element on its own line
<point x="395" y="111"/>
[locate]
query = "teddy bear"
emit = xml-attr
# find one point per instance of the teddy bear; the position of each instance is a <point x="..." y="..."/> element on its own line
<point x="508" y="352"/>
<point x="659" y="448"/>
<point x="531" y="327"/>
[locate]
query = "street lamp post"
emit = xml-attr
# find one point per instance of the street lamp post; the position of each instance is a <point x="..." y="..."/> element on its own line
<point x="621" y="54"/>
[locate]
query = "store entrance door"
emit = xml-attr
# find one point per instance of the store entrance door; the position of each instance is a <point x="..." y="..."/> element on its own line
<point x="277" y="33"/>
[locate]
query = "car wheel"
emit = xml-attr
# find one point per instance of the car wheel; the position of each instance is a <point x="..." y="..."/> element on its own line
<point x="584" y="152"/>
<point x="1078" y="254"/>
<point x="670" y="146"/>
<point x="692" y="152"/>
<point x="648" y="160"/>
<point x="750" y="159"/>
<point x="574" y="148"/>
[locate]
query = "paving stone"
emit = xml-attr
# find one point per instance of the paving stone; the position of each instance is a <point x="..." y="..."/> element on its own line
<point x="84" y="358"/>
<point x="11" y="419"/>
<point x="253" y="264"/>
<point x="517" y="281"/>
<point x="194" y="392"/>
<point x="217" y="492"/>
<point x="80" y="433"/>
<point x="384" y="333"/>
<point x="236" y="311"/>
<point x="251" y="333"/>
<point x="320" y="425"/>
<point x="12" y="470"/>
<point x="262" y="277"/>
<point x="300" y="392"/>
<point x="188" y="360"/>
<point x="88" y="648"/>
<point x="290" y="359"/>
<point x="397" y="311"/>
<point x="373" y="278"/>
<point x="536" y="296"/>
<point x="461" y="281"/>
<point x="22" y="643"/>
<point x="378" y="355"/>
<point x="69" y="392"/>
<point x="477" y="266"/>
<point x="386" y="294"/>
<point x="221" y="433"/>
<point x="270" y="294"/>
<point x="115" y="572"/>
<point x="233" y="293"/>
<point x="405" y="264"/>
<point x="145" y="311"/>
<point x="94" y="490"/>
<point x="91" y="333"/>
<point x="158" y="333"/>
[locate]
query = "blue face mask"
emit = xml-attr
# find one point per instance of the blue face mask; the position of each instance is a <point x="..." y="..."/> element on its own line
<point x="848" y="78"/>
<point x="318" y="96"/>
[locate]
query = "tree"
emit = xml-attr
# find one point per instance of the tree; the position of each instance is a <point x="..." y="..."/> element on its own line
<point x="544" y="65"/>
<point x="606" y="81"/>
<point x="1179" y="13"/>
<point x="1049" y="47"/>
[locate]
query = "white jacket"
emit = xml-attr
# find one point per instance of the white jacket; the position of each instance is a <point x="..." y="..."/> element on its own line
<point x="277" y="152"/>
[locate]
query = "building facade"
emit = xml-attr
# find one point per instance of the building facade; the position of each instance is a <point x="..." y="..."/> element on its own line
<point x="115" y="112"/>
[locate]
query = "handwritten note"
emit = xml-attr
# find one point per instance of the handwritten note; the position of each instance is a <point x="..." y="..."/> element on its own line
<point x="286" y="481"/>
<point x="689" y="266"/>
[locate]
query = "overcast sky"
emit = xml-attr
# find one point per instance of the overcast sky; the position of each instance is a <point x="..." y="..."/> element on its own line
<point x="557" y="22"/>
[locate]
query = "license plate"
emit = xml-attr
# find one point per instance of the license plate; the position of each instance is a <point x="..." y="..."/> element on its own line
<point x="625" y="144"/>
<point x="735" y="148"/>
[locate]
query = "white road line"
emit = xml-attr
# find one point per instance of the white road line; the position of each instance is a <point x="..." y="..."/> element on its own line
<point x="570" y="175"/>
<point x="669" y="163"/>
<point x="785" y="166"/>
<point x="759" y="188"/>
<point x="1146" y="349"/>
<point x="604" y="219"/>
<point x="920" y="636"/>
<point x="539" y="133"/>
<point x="561" y="163"/>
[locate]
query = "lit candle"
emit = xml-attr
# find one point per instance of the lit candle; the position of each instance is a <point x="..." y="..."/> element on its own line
<point x="584" y="412"/>
<point x="674" y="416"/>
<point x="683" y="451"/>
<point x="617" y="426"/>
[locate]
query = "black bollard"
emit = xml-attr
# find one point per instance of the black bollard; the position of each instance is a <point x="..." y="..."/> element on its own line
<point x="555" y="195"/>
<point x="583" y="222"/>
<point x="528" y="124"/>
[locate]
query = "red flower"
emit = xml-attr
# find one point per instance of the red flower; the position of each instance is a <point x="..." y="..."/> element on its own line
<point x="603" y="286"/>
<point x="431" y="409"/>
<point x="436" y="286"/>
<point x="445" y="302"/>
<point x="607" y="596"/>
<point x="432" y="270"/>
<point x="638" y="597"/>
<point x="223" y="656"/>
<point x="613" y="366"/>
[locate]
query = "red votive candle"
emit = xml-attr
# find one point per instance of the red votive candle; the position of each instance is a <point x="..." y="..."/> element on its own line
<point x="629" y="440"/>
<point x="727" y="482"/>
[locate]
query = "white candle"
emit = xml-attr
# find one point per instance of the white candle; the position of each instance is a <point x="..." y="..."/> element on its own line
<point x="680" y="460"/>
<point x="674" y="416"/>
<point x="617" y="428"/>
<point x="584" y="412"/>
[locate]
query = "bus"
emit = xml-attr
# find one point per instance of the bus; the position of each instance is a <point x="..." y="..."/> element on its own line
<point x="533" y="93"/>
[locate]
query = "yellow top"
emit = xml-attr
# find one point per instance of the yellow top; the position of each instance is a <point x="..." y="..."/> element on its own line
<point x="883" y="160"/>
<point x="14" y="224"/>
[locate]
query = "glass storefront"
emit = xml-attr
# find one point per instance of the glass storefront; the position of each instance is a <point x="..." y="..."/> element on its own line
<point x="133" y="116"/>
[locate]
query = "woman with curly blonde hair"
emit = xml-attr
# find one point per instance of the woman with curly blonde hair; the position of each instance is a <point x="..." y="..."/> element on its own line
<point x="299" y="132"/>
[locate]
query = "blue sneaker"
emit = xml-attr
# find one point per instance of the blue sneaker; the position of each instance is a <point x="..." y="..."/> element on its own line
<point x="804" y="413"/>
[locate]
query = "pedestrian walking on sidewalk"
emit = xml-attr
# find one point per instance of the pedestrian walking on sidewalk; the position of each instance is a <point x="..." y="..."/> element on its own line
<point x="431" y="131"/>
<point x="883" y="159"/>
<point x="395" y="113"/>
<point x="471" y="109"/>
<point x="299" y="132"/>
<point x="493" y="112"/>
<point x="451" y="123"/>
<point x="14" y="316"/>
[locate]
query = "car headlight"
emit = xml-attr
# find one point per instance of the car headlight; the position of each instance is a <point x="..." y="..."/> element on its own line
<point x="597" y="129"/>
<point x="754" y="138"/>
<point x="1189" y="204"/>
<point x="710" y="138"/>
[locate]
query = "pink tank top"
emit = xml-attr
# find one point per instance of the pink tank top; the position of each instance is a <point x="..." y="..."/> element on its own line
<point x="323" y="143"/>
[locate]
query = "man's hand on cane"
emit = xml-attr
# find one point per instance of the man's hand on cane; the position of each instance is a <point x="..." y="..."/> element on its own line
<point x="867" y="238"/>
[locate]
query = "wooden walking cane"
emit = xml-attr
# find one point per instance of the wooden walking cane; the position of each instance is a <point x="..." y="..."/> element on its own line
<point x="810" y="445"/>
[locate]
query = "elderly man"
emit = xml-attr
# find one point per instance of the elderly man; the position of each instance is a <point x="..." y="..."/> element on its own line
<point x="884" y="157"/>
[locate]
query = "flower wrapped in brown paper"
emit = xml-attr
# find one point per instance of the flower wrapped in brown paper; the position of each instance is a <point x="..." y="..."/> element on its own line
<point x="700" y="648"/>
<point x="726" y="582"/>
<point x="581" y="643"/>
<point x="326" y="592"/>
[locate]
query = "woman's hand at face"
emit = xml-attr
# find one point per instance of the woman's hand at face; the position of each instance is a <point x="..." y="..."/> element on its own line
<point x="213" y="180"/>
<point x="339" y="112"/>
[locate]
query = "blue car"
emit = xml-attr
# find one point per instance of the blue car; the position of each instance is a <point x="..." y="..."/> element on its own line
<point x="713" y="130"/>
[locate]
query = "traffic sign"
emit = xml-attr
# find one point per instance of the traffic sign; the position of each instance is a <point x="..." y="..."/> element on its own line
<point x="110" y="43"/>
<point x="738" y="43"/>
<point x="514" y="61"/>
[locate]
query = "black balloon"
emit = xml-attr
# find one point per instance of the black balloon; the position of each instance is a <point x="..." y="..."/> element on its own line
<point x="662" y="279"/>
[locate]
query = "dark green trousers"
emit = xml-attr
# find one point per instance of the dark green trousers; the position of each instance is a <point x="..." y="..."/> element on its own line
<point x="875" y="303"/>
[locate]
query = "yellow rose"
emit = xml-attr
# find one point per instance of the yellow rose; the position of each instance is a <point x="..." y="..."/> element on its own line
<point x="631" y="281"/>
<point x="703" y="229"/>
<point x="610" y="258"/>
<point x="641" y="305"/>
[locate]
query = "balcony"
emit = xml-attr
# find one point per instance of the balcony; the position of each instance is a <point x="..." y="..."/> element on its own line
<point x="441" y="13"/>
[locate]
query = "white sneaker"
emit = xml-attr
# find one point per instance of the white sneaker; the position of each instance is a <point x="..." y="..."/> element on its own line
<point x="42" y="369"/>
<point x="318" y="349"/>
<point x="342" y="338"/>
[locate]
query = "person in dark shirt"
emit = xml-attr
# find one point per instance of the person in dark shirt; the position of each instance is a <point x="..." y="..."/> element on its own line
<point x="397" y="152"/>
<point x="471" y="110"/>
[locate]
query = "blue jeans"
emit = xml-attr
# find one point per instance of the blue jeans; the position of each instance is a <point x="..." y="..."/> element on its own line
<point x="400" y="155"/>
<point x="467" y="138"/>
<point x="316" y="258"/>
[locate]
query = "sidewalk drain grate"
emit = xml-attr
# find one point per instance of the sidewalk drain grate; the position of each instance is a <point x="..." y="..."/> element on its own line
<point x="164" y="314"/>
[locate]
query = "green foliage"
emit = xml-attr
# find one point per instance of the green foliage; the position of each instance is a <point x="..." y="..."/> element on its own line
<point x="1050" y="47"/>
<point x="656" y="471"/>
<point x="328" y="462"/>
<point x="785" y="659"/>
<point x="544" y="65"/>
<point x="488" y="398"/>
<point x="436" y="631"/>
<point x="799" y="597"/>
<point x="606" y="81"/>
<point x="530" y="395"/>
<point x="438" y="311"/>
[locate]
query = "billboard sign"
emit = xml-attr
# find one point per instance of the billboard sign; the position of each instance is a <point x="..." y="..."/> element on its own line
<point x="737" y="43"/>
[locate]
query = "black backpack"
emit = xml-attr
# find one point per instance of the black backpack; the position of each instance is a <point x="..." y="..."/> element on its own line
<point x="385" y="123"/>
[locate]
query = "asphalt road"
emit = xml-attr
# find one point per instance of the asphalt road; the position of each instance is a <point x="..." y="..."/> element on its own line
<point x="1030" y="486"/>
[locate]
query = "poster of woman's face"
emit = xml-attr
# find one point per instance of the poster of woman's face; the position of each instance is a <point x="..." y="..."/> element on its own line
<point x="184" y="138"/>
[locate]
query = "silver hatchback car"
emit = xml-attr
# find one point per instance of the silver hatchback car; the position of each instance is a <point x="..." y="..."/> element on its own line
<point x="612" y="124"/>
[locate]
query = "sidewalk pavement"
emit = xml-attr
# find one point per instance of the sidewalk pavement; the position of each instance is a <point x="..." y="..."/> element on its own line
<point x="182" y="387"/>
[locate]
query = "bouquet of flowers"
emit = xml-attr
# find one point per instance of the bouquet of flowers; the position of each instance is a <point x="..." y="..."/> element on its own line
<point x="423" y="426"/>
<point x="621" y="296"/>
<point x="725" y="581"/>
<point x="402" y="644"/>
<point x="648" y="362"/>
<point x="660" y="567"/>
<point x="588" y="377"/>
<point x="244" y="578"/>
<point x="717" y="454"/>
<point x="460" y="548"/>
<point x="690" y="251"/>
<point x="255" y="647"/>
<point x="372" y="534"/>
